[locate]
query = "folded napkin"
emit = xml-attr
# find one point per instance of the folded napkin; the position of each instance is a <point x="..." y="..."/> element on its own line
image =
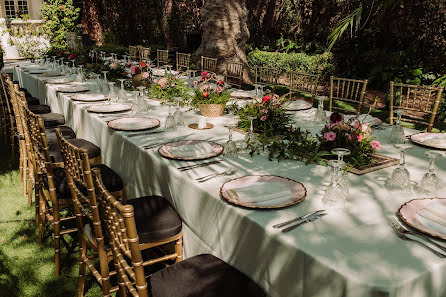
<point x="433" y="216"/>
<point x="365" y="119"/>
<point x="192" y="150"/>
<point x="440" y="138"/>
<point x="261" y="193"/>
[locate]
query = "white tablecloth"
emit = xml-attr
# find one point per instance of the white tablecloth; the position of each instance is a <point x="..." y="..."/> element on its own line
<point x="352" y="253"/>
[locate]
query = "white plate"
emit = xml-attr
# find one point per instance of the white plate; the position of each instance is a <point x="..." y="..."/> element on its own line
<point x="107" y="108"/>
<point x="298" y="105"/>
<point x="58" y="81"/>
<point x="89" y="97"/>
<point x="166" y="153"/>
<point x="133" y="123"/>
<point x="73" y="89"/>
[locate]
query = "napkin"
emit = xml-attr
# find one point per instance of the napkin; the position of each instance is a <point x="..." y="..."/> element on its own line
<point x="365" y="119"/>
<point x="433" y="216"/>
<point x="261" y="193"/>
<point x="192" y="150"/>
<point x="440" y="138"/>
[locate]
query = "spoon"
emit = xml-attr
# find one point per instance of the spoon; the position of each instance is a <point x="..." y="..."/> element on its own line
<point x="229" y="171"/>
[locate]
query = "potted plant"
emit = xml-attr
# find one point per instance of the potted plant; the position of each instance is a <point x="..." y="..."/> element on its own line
<point x="141" y="74"/>
<point x="211" y="95"/>
<point x="168" y="88"/>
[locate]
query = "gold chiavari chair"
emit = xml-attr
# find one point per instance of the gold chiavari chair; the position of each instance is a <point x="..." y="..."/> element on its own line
<point x="267" y="76"/>
<point x="183" y="62"/>
<point x="144" y="54"/>
<point x="347" y="90"/>
<point x="10" y="120"/>
<point x="209" y="275"/>
<point x="79" y="179"/>
<point x="208" y="64"/>
<point x="301" y="82"/>
<point x="162" y="58"/>
<point x="234" y="73"/>
<point x="133" y="52"/>
<point x="420" y="103"/>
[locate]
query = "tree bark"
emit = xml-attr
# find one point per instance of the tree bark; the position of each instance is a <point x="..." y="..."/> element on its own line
<point x="225" y="33"/>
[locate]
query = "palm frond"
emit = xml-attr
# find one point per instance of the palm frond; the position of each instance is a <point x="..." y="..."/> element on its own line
<point x="353" y="21"/>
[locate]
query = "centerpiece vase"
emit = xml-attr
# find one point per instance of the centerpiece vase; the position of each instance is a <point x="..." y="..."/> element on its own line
<point x="138" y="80"/>
<point x="211" y="110"/>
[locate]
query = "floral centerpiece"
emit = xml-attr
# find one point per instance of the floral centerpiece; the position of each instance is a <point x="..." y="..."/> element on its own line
<point x="211" y="95"/>
<point x="141" y="74"/>
<point x="271" y="117"/>
<point x="169" y="87"/>
<point x="355" y="137"/>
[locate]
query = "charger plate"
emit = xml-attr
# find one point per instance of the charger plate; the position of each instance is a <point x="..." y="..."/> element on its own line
<point x="133" y="124"/>
<point x="109" y="108"/>
<point x="298" y="192"/>
<point x="428" y="139"/>
<point x="408" y="213"/>
<point x="164" y="150"/>
<point x="298" y="105"/>
<point x="59" y="81"/>
<point x="89" y="97"/>
<point x="72" y="89"/>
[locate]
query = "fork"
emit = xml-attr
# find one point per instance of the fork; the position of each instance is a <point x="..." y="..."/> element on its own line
<point x="404" y="237"/>
<point x="403" y="230"/>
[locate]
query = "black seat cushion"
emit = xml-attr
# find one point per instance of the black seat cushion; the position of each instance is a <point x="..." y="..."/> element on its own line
<point x="32" y="100"/>
<point x="56" y="156"/>
<point x="39" y="109"/>
<point x="67" y="132"/>
<point x="155" y="218"/>
<point x="202" y="275"/>
<point x="52" y="120"/>
<point x="112" y="181"/>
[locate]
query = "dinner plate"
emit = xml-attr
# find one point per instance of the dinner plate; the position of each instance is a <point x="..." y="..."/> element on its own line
<point x="89" y="97"/>
<point x="133" y="123"/>
<point x="59" y="81"/>
<point x="293" y="192"/>
<point x="408" y="213"/>
<point x="298" y="105"/>
<point x="52" y="73"/>
<point x="432" y="140"/>
<point x="108" y="108"/>
<point x="72" y="89"/>
<point x="241" y="94"/>
<point x="37" y="71"/>
<point x="164" y="150"/>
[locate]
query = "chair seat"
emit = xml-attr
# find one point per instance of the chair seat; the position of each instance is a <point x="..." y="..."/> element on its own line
<point x="32" y="100"/>
<point x="67" y="133"/>
<point x="155" y="218"/>
<point x="202" y="275"/>
<point x="52" y="120"/>
<point x="112" y="181"/>
<point x="56" y="156"/>
<point x="39" y="109"/>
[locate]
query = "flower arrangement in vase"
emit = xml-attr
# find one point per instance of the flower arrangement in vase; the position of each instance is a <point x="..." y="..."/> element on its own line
<point x="141" y="74"/>
<point x="168" y="88"/>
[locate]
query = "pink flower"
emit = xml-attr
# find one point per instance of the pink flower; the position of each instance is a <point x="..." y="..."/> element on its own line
<point x="356" y="126"/>
<point x="348" y="136"/>
<point x="360" y="137"/>
<point x="186" y="83"/>
<point x="266" y="98"/>
<point x="172" y="84"/>
<point x="155" y="81"/>
<point x="365" y="128"/>
<point x="265" y="111"/>
<point x="263" y="118"/>
<point x="376" y="145"/>
<point x="204" y="75"/>
<point x="275" y="97"/>
<point x="331" y="125"/>
<point x="219" y="89"/>
<point x="196" y="82"/>
<point x="330" y="136"/>
<point x="132" y="70"/>
<point x="145" y="75"/>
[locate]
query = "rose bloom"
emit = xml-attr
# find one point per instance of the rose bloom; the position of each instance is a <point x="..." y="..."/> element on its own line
<point x="145" y="75"/>
<point x="219" y="89"/>
<point x="265" y="111"/>
<point x="275" y="97"/>
<point x="143" y="64"/>
<point x="336" y="117"/>
<point x="360" y="137"/>
<point x="204" y="75"/>
<point x="155" y="81"/>
<point x="132" y="69"/>
<point x="330" y="136"/>
<point x="365" y="128"/>
<point x="266" y="98"/>
<point x="263" y="118"/>
<point x="348" y="136"/>
<point x="356" y="126"/>
<point x="376" y="145"/>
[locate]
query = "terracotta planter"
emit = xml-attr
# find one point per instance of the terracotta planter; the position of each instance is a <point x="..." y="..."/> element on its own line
<point x="138" y="80"/>
<point x="211" y="110"/>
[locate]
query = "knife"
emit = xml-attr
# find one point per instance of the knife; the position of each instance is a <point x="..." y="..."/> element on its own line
<point x="299" y="218"/>
<point x="198" y="165"/>
<point x="311" y="219"/>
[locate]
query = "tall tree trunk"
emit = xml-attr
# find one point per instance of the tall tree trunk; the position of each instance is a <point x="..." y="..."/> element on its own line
<point x="225" y="33"/>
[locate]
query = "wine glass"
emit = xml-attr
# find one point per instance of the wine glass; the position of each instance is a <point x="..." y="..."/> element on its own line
<point x="320" y="116"/>
<point x="67" y="68"/>
<point x="429" y="182"/>
<point x="397" y="134"/>
<point x="104" y="84"/>
<point x="122" y="94"/>
<point x="400" y="179"/>
<point x="230" y="148"/>
<point x="335" y="194"/>
<point x="112" y="96"/>
<point x="342" y="174"/>
<point x="178" y="115"/>
<point x="170" y="124"/>
<point x="136" y="106"/>
<point x="73" y="67"/>
<point x="80" y="74"/>
<point x="250" y="140"/>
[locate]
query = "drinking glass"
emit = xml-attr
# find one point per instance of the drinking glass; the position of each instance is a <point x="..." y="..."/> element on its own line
<point x="400" y="179"/>
<point x="137" y="109"/>
<point x="104" y="84"/>
<point x="112" y="96"/>
<point x="320" y="116"/>
<point x="80" y="74"/>
<point x="67" y="68"/>
<point x="230" y="148"/>
<point x="170" y="120"/>
<point x="342" y="174"/>
<point x="335" y="194"/>
<point x="429" y="182"/>
<point x="122" y="94"/>
<point x="73" y="67"/>
<point x="397" y="134"/>
<point x="250" y="140"/>
<point x="178" y="115"/>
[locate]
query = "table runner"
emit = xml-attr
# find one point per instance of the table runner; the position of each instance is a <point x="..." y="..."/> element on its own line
<point x="346" y="253"/>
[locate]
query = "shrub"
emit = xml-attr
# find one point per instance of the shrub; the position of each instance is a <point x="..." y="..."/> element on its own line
<point x="313" y="64"/>
<point x="113" y="48"/>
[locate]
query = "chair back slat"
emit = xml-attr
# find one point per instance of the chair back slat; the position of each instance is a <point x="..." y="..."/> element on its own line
<point x="162" y="57"/>
<point x="144" y="54"/>
<point x="133" y="52"/>
<point x="267" y="76"/>
<point x="183" y="62"/>
<point x="303" y="82"/>
<point x="234" y="73"/>
<point x="208" y="64"/>
<point x="347" y="90"/>
<point x="420" y="102"/>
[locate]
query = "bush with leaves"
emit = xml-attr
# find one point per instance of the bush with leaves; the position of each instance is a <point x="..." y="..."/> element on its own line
<point x="60" y="17"/>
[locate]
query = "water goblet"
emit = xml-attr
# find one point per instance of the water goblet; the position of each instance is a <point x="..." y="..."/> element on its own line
<point x="104" y="83"/>
<point x="73" y="67"/>
<point x="230" y="147"/>
<point x="250" y="140"/>
<point x="178" y="115"/>
<point x="342" y="174"/>
<point x="122" y="94"/>
<point x="397" y="133"/>
<point x="67" y="68"/>
<point x="400" y="179"/>
<point x="170" y="120"/>
<point x="112" y="96"/>
<point x="136" y="108"/>
<point x="335" y="194"/>
<point x="320" y="116"/>
<point x="429" y="183"/>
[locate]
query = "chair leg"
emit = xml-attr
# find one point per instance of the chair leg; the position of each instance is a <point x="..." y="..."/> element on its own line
<point x="37" y="202"/>
<point x="82" y="265"/>
<point x="42" y="219"/>
<point x="56" y="226"/>
<point x="179" y="249"/>
<point x="30" y="185"/>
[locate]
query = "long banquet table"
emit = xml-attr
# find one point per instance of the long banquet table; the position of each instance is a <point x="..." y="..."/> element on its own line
<point x="352" y="252"/>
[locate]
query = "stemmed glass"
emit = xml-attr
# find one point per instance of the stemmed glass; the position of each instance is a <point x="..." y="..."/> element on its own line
<point x="170" y="124"/>
<point x="80" y="74"/>
<point x="397" y="134"/>
<point x="250" y="138"/>
<point x="104" y="85"/>
<point x="342" y="175"/>
<point x="122" y="94"/>
<point x="321" y="116"/>
<point x="112" y="96"/>
<point x="67" y="68"/>
<point x="178" y="115"/>
<point x="400" y="179"/>
<point x="73" y="67"/>
<point x="259" y="91"/>
<point x="137" y="109"/>
<point x="335" y="194"/>
<point x="429" y="182"/>
<point x="230" y="148"/>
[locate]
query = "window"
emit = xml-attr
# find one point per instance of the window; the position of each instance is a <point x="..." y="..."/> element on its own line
<point x="16" y="8"/>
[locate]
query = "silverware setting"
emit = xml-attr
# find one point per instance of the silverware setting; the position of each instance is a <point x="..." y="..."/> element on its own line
<point x="157" y="143"/>
<point x="229" y="171"/>
<point x="185" y="168"/>
<point x="396" y="227"/>
<point x="305" y="216"/>
<point x="308" y="220"/>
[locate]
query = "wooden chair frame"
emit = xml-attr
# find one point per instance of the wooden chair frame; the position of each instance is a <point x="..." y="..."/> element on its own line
<point x="420" y="100"/>
<point x="134" y="52"/>
<point x="11" y="129"/>
<point x="162" y="58"/>
<point x="234" y="73"/>
<point x="347" y="90"/>
<point x="301" y="82"/>
<point x="183" y="62"/>
<point x="209" y="64"/>
<point x="144" y="54"/>
<point x="267" y="76"/>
